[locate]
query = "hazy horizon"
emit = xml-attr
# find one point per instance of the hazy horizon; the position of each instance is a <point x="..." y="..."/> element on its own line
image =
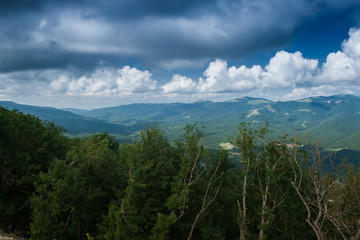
<point x="179" y="102"/>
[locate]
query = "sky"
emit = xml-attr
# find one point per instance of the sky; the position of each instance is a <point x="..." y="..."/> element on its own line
<point x="90" y="53"/>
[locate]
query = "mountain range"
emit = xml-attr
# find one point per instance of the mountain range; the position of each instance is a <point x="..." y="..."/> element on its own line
<point x="334" y="121"/>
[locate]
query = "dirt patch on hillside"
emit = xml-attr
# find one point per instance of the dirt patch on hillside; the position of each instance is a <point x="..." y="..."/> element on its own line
<point x="5" y="236"/>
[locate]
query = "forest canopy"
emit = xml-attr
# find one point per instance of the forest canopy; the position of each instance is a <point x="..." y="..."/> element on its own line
<point x="54" y="187"/>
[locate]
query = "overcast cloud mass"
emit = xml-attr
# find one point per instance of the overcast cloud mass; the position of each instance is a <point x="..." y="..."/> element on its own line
<point x="90" y="54"/>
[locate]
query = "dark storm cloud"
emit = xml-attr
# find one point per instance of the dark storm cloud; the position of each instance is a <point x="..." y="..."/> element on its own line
<point x="141" y="8"/>
<point x="109" y="8"/>
<point x="60" y="34"/>
<point x="21" y="6"/>
<point x="14" y="7"/>
<point x="48" y="59"/>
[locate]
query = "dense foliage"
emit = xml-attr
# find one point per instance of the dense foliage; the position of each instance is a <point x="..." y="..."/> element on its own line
<point x="53" y="187"/>
<point x="28" y="146"/>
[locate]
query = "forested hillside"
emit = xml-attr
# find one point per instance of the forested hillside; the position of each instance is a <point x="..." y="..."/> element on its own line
<point x="75" y="125"/>
<point x="333" y="120"/>
<point x="53" y="187"/>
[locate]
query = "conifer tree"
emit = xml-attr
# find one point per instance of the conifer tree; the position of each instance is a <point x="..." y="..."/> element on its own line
<point x="73" y="196"/>
<point x="149" y="168"/>
<point x="28" y="146"/>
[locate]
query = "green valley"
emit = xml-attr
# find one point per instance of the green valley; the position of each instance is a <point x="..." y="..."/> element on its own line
<point x="334" y="121"/>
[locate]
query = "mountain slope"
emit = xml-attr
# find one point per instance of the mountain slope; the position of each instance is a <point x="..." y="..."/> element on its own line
<point x="73" y="123"/>
<point x="333" y="120"/>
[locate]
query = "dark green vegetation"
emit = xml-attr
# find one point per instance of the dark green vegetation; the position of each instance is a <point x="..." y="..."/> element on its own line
<point x="76" y="125"/>
<point x="53" y="187"/>
<point x="334" y="120"/>
<point x="28" y="146"/>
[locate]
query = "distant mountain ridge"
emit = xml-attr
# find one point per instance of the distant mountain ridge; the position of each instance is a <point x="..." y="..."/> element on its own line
<point x="74" y="124"/>
<point x="333" y="120"/>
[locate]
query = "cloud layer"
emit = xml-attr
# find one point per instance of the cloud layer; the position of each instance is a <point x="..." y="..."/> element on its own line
<point x="58" y="34"/>
<point x="106" y="82"/>
<point x="289" y="73"/>
<point x="286" y="76"/>
<point x="99" y="53"/>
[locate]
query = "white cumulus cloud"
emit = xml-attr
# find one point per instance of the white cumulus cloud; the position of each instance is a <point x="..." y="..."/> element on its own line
<point x="288" y="69"/>
<point x="338" y="67"/>
<point x="218" y="78"/>
<point x="180" y="84"/>
<point x="351" y="47"/>
<point x="221" y="78"/>
<point x="107" y="82"/>
<point x="287" y="75"/>
<point x="343" y="66"/>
